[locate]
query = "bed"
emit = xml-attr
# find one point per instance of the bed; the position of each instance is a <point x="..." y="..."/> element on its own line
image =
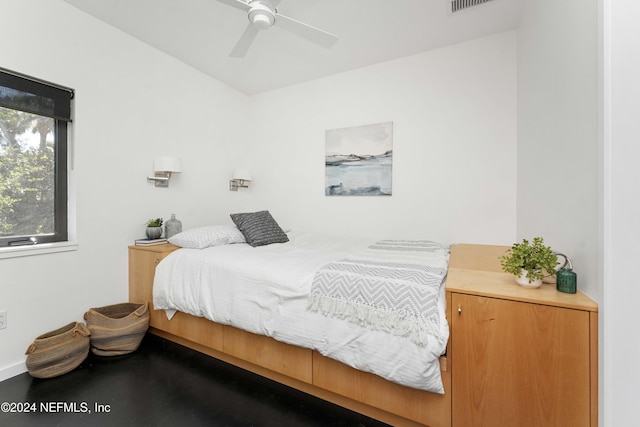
<point x="266" y="290"/>
<point x="268" y="309"/>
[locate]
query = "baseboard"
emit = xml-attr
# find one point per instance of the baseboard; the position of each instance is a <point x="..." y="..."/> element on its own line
<point x="12" y="370"/>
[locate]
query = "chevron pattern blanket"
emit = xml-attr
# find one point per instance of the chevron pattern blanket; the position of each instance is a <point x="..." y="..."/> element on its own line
<point x="391" y="286"/>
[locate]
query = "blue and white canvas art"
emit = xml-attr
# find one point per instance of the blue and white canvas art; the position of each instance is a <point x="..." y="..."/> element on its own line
<point x="358" y="160"/>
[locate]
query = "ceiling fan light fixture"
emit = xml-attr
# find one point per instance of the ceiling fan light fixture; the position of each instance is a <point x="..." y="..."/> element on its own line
<point x="261" y="16"/>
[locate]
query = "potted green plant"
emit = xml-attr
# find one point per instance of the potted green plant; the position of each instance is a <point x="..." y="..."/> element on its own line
<point x="154" y="228"/>
<point x="529" y="262"/>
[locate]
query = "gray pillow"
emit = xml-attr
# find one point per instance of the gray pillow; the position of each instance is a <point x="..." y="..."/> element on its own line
<point x="259" y="228"/>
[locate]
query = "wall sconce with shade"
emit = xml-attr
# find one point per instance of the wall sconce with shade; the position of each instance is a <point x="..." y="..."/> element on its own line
<point x="163" y="167"/>
<point x="241" y="179"/>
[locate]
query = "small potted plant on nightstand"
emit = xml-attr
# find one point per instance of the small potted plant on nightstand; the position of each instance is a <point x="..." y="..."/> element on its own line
<point x="154" y="228"/>
<point x="530" y="262"/>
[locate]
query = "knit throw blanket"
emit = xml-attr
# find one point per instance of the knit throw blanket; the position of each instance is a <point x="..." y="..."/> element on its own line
<point x="391" y="286"/>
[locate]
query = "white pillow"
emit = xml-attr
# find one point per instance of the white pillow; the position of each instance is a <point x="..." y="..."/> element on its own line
<point x="204" y="237"/>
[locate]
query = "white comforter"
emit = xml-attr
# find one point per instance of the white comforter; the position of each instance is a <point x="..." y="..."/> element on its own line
<point x="265" y="290"/>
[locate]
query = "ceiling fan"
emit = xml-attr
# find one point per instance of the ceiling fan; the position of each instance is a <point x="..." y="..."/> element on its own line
<point x="262" y="15"/>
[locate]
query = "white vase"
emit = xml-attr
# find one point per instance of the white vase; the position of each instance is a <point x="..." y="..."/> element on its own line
<point x="523" y="280"/>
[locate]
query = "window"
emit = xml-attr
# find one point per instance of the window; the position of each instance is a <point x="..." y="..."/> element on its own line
<point x="34" y="116"/>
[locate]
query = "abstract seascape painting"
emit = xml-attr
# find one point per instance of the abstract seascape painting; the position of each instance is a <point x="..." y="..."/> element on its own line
<point x="358" y="160"/>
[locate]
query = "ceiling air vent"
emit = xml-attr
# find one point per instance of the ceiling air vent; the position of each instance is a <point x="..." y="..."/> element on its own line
<point x="457" y="5"/>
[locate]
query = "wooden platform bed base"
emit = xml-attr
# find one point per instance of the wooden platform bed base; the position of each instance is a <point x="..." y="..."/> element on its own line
<point x="310" y="372"/>
<point x="303" y="369"/>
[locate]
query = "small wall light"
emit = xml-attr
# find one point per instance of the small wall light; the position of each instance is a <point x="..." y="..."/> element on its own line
<point x="241" y="179"/>
<point x="163" y="167"/>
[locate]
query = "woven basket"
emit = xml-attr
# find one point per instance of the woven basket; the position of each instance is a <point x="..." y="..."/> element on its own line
<point x="117" y="329"/>
<point x="58" y="352"/>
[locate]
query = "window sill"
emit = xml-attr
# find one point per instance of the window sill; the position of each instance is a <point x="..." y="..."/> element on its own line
<point x="41" y="249"/>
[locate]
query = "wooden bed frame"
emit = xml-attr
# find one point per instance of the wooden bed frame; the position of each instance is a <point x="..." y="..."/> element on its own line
<point x="297" y="367"/>
<point x="491" y="374"/>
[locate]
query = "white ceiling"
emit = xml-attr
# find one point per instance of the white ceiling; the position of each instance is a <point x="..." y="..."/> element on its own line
<point x="201" y="33"/>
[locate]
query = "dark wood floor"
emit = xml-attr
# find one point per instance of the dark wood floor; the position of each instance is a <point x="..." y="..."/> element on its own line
<point x="164" y="384"/>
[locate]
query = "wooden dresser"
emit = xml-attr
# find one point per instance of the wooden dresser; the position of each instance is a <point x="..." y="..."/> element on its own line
<point x="519" y="357"/>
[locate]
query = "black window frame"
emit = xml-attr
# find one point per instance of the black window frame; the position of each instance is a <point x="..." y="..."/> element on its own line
<point x="42" y="98"/>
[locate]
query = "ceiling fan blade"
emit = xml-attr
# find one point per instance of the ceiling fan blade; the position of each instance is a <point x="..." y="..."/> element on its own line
<point x="246" y="39"/>
<point x="238" y="4"/>
<point x="308" y="32"/>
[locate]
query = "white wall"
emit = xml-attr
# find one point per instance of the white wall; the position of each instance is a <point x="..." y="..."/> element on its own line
<point x="132" y="104"/>
<point x="560" y="185"/>
<point x="454" y="123"/>
<point x="622" y="212"/>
